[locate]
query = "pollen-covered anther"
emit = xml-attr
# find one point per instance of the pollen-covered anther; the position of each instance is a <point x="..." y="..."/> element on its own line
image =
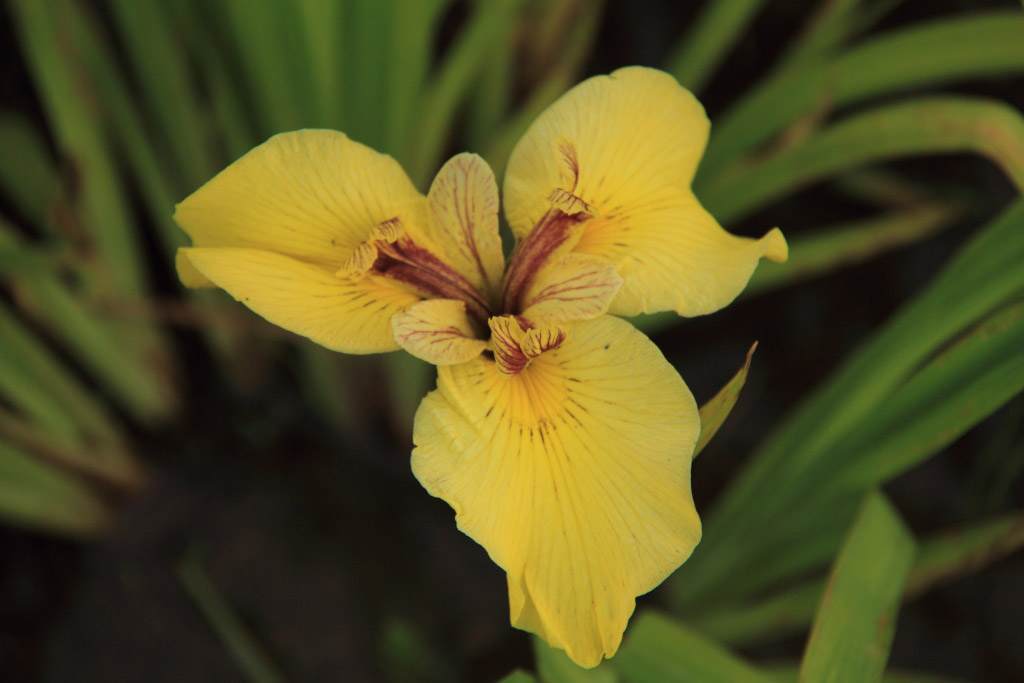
<point x="514" y="345"/>
<point x="363" y="257"/>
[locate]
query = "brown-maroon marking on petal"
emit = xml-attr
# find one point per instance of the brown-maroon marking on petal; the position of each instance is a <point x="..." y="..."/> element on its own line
<point x="417" y="267"/>
<point x="572" y="161"/>
<point x="553" y="230"/>
<point x="515" y="345"/>
<point x="505" y="342"/>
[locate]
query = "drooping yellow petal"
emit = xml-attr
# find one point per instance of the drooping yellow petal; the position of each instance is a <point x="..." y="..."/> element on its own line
<point x="576" y="287"/>
<point x="673" y="256"/>
<point x="314" y="195"/>
<point x="607" y="136"/>
<point x="438" y="331"/>
<point x="625" y="147"/>
<point x="573" y="474"/>
<point x="341" y="313"/>
<point x="464" y="200"/>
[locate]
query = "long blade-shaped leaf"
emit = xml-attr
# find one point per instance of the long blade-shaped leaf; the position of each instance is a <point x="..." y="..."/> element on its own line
<point x="659" y="650"/>
<point x="981" y="45"/>
<point x="39" y="497"/>
<point x="719" y="25"/>
<point x="855" y="622"/>
<point x="162" y="75"/>
<point x="448" y="88"/>
<point x="941" y="558"/>
<point x="931" y="125"/>
<point x="984" y="274"/>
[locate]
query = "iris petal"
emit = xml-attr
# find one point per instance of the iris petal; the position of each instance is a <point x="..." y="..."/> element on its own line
<point x="573" y="474"/>
<point x="438" y="331"/>
<point x="314" y="195"/>
<point x="626" y="147"/>
<point x="341" y="313"/>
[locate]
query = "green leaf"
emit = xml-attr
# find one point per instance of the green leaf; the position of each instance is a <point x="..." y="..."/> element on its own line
<point x="659" y="650"/>
<point x="554" y="666"/>
<point x="811" y="447"/>
<point x="832" y="248"/>
<point x="927" y="125"/>
<point x="985" y="273"/>
<point x="714" y="412"/>
<point x="519" y="676"/>
<point x="28" y="175"/>
<point x="266" y="39"/>
<point x="941" y="558"/>
<point x="719" y="25"/>
<point x="854" y="626"/>
<point x="65" y="91"/>
<point x="953" y="392"/>
<point x="977" y="45"/>
<point x="36" y="496"/>
<point x="449" y="86"/>
<point x="142" y="391"/>
<point x="790" y="673"/>
<point x="412" y="47"/>
<point x="38" y="385"/>
<point x="161" y="183"/>
<point x="225" y="623"/>
<point x="162" y="76"/>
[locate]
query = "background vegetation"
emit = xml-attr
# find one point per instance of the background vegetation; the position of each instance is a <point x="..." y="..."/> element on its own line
<point x="191" y="494"/>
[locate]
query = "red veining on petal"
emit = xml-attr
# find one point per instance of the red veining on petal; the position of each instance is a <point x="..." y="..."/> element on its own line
<point x="505" y="337"/>
<point x="572" y="161"/>
<point x="553" y="230"/>
<point x="416" y="267"/>
<point x="515" y="345"/>
<point x="466" y="209"/>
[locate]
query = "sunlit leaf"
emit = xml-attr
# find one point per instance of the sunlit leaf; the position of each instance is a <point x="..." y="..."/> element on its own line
<point x="854" y="626"/>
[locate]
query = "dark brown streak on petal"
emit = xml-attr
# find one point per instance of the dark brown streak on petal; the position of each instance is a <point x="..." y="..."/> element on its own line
<point x="553" y="230"/>
<point x="408" y="263"/>
<point x="572" y="161"/>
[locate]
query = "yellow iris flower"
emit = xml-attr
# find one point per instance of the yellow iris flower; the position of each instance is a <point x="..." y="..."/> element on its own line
<point x="559" y="434"/>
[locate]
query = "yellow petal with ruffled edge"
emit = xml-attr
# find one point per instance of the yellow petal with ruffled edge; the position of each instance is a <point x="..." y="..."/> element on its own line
<point x="624" y="148"/>
<point x="341" y="313"/>
<point x="673" y="256"/>
<point x="438" y="331"/>
<point x="314" y="195"/>
<point x="574" y="474"/>
<point x="464" y="201"/>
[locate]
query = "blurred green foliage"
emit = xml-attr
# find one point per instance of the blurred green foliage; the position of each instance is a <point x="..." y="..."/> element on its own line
<point x="144" y="101"/>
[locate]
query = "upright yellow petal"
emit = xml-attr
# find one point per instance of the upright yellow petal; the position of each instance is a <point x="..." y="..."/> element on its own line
<point x="438" y="331"/>
<point x="625" y="147"/>
<point x="464" y="200"/>
<point x="341" y="313"/>
<point x="574" y="474"/>
<point x="314" y="195"/>
<point x="608" y="135"/>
